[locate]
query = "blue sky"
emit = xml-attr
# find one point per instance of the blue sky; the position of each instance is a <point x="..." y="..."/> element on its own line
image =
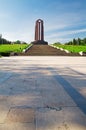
<point x="63" y="19"/>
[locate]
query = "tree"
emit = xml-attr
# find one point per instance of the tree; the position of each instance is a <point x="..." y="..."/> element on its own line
<point x="0" y="38"/>
<point x="74" y="41"/>
<point x="69" y="43"/>
<point x="17" y="42"/>
<point x="79" y="41"/>
<point x="84" y="40"/>
<point x="57" y="43"/>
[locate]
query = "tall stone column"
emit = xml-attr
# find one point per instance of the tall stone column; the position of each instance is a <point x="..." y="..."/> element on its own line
<point x="42" y="32"/>
<point x="39" y="32"/>
<point x="36" y="31"/>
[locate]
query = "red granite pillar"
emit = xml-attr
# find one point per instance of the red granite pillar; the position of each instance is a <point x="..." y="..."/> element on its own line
<point x="42" y="31"/>
<point x="39" y="33"/>
<point x="36" y="31"/>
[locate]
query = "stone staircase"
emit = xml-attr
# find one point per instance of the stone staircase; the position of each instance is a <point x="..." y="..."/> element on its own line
<point x="46" y="50"/>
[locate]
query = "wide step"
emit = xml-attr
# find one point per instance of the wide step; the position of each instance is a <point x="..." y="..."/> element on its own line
<point x="45" y="50"/>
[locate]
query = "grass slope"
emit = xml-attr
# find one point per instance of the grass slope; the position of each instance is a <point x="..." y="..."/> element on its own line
<point x="13" y="47"/>
<point x="72" y="48"/>
<point x="6" y="49"/>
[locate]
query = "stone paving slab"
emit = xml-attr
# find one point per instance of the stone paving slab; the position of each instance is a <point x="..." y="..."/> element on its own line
<point x="4" y="76"/>
<point x="21" y="115"/>
<point x="80" y="82"/>
<point x="33" y="95"/>
<point x="4" y="108"/>
<point x="68" y="118"/>
<point x="17" y="126"/>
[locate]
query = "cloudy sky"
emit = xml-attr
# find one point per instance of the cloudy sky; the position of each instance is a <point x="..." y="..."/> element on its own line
<point x="63" y="19"/>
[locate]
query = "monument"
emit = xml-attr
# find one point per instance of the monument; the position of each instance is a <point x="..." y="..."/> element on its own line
<point x="39" y="33"/>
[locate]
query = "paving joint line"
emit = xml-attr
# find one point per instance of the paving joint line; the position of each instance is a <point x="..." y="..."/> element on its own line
<point x="7" y="76"/>
<point x="79" y="99"/>
<point x="76" y="71"/>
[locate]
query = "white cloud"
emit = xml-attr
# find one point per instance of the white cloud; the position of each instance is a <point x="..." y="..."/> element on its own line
<point x="54" y="37"/>
<point x="25" y="29"/>
<point x="55" y="27"/>
<point x="13" y="36"/>
<point x="64" y="33"/>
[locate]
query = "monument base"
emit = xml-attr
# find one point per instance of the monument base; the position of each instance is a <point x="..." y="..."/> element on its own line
<point x="40" y="42"/>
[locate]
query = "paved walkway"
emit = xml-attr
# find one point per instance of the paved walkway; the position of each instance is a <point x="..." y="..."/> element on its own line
<point x="43" y="93"/>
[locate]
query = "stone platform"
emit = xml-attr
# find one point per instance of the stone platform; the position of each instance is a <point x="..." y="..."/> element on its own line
<point x="40" y="42"/>
<point x="46" y="50"/>
<point x="42" y="93"/>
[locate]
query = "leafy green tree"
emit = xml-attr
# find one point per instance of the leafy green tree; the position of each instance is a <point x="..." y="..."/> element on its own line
<point x="0" y="38"/>
<point x="57" y="43"/>
<point x="17" y="42"/>
<point x="24" y="43"/>
<point x="79" y="41"/>
<point x="69" y="43"/>
<point x="74" y="41"/>
<point x="84" y="40"/>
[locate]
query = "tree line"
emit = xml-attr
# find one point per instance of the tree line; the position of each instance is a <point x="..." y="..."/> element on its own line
<point x="78" y="41"/>
<point x="4" y="41"/>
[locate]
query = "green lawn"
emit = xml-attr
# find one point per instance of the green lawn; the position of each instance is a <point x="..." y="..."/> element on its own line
<point x="13" y="47"/>
<point x="72" y="48"/>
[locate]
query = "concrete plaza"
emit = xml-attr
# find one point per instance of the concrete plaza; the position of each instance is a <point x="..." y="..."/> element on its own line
<point x="42" y="93"/>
